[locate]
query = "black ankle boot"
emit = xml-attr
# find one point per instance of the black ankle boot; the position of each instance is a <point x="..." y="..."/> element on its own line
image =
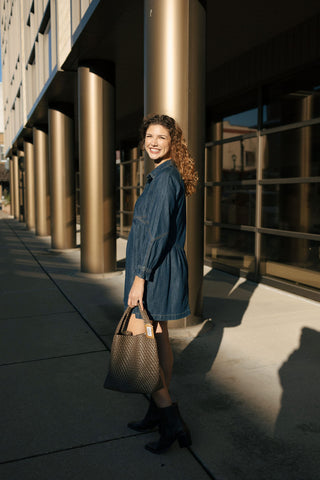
<point x="172" y="428"/>
<point x="150" y="422"/>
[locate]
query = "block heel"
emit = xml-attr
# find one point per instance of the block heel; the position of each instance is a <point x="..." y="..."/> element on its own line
<point x="184" y="439"/>
<point x="172" y="428"/>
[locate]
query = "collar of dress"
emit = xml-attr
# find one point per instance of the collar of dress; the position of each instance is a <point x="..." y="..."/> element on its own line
<point x="158" y="170"/>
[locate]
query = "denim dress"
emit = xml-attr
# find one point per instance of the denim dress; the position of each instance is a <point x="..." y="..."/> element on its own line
<point x="155" y="248"/>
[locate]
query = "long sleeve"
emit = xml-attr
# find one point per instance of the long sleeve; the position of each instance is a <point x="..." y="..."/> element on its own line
<point x="160" y="215"/>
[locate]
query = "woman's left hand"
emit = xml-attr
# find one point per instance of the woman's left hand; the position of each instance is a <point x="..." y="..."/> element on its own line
<point x="136" y="293"/>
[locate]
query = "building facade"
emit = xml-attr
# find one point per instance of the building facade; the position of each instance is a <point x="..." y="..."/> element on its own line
<point x="242" y="80"/>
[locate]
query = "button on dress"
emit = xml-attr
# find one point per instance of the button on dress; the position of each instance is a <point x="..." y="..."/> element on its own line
<point x="155" y="248"/>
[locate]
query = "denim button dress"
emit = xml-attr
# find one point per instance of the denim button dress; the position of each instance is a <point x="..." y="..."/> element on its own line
<point x="155" y="248"/>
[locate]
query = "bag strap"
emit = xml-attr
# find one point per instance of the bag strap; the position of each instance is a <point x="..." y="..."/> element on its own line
<point x="123" y="321"/>
<point x="122" y="325"/>
<point x="144" y="314"/>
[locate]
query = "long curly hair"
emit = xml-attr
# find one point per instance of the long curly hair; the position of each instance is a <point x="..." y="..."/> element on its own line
<point x="179" y="150"/>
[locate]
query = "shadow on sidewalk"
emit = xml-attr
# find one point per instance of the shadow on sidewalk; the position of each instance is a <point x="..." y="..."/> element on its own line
<point x="226" y="299"/>
<point x="298" y="422"/>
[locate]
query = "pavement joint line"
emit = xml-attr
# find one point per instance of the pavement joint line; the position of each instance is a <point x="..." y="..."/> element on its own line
<point x="59" y="288"/>
<point x="202" y="464"/>
<point x="101" y="442"/>
<point x="68" y="449"/>
<point x="40" y="315"/>
<point x="51" y="358"/>
<point x="64" y="312"/>
<point x="28" y="290"/>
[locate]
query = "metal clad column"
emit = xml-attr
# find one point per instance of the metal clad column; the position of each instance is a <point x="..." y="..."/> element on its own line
<point x="42" y="192"/>
<point x="30" y="214"/>
<point x="16" y="186"/>
<point x="22" y="196"/>
<point x="174" y="84"/>
<point x="62" y="180"/>
<point x="12" y="204"/>
<point x="97" y="169"/>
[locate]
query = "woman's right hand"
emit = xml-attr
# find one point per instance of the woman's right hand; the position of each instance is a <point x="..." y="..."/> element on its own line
<point x="136" y="293"/>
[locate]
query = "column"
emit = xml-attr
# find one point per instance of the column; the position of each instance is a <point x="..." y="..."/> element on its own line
<point x="30" y="214"/>
<point x="21" y="175"/>
<point x="12" y="208"/>
<point x="174" y="84"/>
<point x="96" y="113"/>
<point x="62" y="180"/>
<point x="42" y="192"/>
<point x="16" y="186"/>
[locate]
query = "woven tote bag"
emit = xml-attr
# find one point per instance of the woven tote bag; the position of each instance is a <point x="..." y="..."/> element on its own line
<point x="134" y="361"/>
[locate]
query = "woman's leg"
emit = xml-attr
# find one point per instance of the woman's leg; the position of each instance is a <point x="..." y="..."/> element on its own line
<point x="172" y="427"/>
<point x="162" y="397"/>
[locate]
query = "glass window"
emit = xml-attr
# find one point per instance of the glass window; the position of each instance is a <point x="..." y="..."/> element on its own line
<point x="240" y="123"/>
<point x="294" y="153"/>
<point x="126" y="219"/>
<point x="294" y="259"/>
<point x="288" y="109"/>
<point x="232" y="161"/>
<point x="131" y="173"/>
<point x="296" y="100"/>
<point x="234" y="248"/>
<point x="233" y="204"/>
<point x="129" y="197"/>
<point x="48" y="43"/>
<point x="292" y="207"/>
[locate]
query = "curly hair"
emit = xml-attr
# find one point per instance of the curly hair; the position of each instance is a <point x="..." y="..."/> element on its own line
<point x="179" y="150"/>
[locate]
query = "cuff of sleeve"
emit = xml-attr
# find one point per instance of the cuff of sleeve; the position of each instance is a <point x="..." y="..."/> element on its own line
<point x="143" y="272"/>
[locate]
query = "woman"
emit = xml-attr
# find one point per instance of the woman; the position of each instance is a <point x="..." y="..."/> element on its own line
<point x="156" y="265"/>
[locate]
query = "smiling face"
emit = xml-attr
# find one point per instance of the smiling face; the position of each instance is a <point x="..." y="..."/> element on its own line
<point x="158" y="143"/>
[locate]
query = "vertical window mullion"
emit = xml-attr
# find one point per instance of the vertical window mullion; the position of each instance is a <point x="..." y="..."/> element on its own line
<point x="259" y="173"/>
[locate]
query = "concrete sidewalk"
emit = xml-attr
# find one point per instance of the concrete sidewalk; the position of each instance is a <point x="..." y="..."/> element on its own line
<point x="247" y="380"/>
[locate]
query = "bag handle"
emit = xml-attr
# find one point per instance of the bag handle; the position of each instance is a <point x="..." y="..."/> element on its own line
<point x="126" y="317"/>
<point x="124" y="320"/>
<point x="144" y="314"/>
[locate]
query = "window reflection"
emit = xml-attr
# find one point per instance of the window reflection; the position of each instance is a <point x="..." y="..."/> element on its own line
<point x="294" y="153"/>
<point x="230" y="247"/>
<point x="290" y="109"/>
<point x="131" y="184"/>
<point x="281" y="108"/>
<point x="233" y="204"/>
<point x="292" y="207"/>
<point x="232" y="161"/>
<point x="294" y="259"/>
<point x="235" y="123"/>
